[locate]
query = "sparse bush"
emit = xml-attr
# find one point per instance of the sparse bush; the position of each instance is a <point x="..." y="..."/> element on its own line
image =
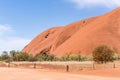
<point x="71" y="58"/>
<point x="117" y="57"/>
<point x="86" y="58"/>
<point x="0" y="58"/>
<point x="32" y="58"/>
<point x="74" y="58"/>
<point x="17" y="56"/>
<point x="51" y="57"/>
<point x="5" y="56"/>
<point x="45" y="57"/>
<point x="23" y="57"/>
<point x="64" y="58"/>
<point x="102" y="54"/>
<point x="13" y="55"/>
<point x="90" y="58"/>
<point x="42" y="57"/>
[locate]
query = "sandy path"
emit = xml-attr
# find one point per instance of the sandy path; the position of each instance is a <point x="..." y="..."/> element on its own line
<point x="30" y="74"/>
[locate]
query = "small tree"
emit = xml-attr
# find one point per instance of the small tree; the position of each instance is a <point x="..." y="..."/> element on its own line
<point x="5" y="56"/>
<point x="103" y="54"/>
<point x="13" y="55"/>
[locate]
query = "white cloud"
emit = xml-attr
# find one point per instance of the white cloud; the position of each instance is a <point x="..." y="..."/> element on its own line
<point x="10" y="42"/>
<point x="93" y="3"/>
<point x="13" y="43"/>
<point x="5" y="29"/>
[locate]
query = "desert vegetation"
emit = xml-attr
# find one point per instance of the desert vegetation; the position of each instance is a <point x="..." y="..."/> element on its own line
<point x="20" y="56"/>
<point x="101" y="54"/>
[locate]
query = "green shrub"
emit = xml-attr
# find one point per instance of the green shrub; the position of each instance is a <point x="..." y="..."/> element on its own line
<point x="74" y="58"/>
<point x="71" y="58"/>
<point x="22" y="57"/>
<point x="51" y="57"/>
<point x="42" y="57"/>
<point x="64" y="58"/>
<point x="32" y="58"/>
<point x="0" y="58"/>
<point x="117" y="57"/>
<point x="102" y="54"/>
<point x="14" y="55"/>
<point x="86" y="58"/>
<point x="5" y="56"/>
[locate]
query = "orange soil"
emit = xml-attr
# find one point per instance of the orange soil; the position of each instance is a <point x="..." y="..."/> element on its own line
<point x="103" y="72"/>
<point x="30" y="74"/>
<point x="80" y="37"/>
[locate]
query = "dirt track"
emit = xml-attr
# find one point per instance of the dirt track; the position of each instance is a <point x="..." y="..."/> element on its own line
<point x="30" y="74"/>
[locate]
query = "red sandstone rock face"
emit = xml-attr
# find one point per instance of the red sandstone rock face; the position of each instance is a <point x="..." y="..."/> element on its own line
<point x="80" y="37"/>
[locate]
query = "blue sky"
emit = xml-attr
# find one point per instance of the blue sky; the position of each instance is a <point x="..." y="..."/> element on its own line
<point x="22" y="20"/>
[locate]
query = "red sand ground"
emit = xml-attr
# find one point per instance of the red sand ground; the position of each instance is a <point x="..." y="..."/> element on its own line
<point x="102" y="72"/>
<point x="80" y="37"/>
<point x="32" y="74"/>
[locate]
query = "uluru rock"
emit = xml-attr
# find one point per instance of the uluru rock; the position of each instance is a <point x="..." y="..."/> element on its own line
<point x="79" y="37"/>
